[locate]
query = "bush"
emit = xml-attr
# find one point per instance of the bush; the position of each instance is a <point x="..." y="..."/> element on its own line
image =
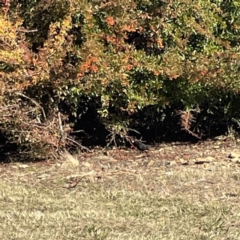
<point x="128" y="56"/>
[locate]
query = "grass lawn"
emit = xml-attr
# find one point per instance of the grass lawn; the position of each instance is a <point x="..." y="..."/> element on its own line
<point x="134" y="201"/>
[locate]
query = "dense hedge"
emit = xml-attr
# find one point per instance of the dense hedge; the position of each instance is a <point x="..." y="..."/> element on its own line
<point x="125" y="60"/>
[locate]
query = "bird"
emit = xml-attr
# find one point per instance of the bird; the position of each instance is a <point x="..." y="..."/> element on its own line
<point x="141" y="146"/>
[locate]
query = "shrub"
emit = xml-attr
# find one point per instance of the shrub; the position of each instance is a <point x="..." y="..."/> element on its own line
<point x="128" y="56"/>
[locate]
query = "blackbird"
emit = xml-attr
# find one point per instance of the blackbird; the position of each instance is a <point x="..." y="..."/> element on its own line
<point x="141" y="146"/>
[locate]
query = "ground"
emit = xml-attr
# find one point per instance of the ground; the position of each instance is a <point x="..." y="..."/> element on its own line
<point x="173" y="191"/>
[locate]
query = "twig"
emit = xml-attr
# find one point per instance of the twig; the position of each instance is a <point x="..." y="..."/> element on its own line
<point x="60" y="124"/>
<point x="133" y="130"/>
<point x="80" y="145"/>
<point x="33" y="101"/>
<point x="27" y="31"/>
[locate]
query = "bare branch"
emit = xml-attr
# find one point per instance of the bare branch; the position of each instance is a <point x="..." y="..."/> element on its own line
<point x="34" y="102"/>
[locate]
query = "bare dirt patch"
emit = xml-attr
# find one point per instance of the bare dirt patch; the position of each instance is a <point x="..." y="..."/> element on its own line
<point x="173" y="191"/>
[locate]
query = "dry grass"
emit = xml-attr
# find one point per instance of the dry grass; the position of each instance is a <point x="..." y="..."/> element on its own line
<point x="178" y="202"/>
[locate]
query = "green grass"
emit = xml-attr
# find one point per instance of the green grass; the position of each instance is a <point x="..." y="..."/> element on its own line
<point x="178" y="203"/>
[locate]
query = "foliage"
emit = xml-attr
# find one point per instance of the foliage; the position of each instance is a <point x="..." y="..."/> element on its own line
<point x="129" y="54"/>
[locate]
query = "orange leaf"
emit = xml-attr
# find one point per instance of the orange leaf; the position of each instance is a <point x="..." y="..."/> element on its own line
<point x="110" y="21"/>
